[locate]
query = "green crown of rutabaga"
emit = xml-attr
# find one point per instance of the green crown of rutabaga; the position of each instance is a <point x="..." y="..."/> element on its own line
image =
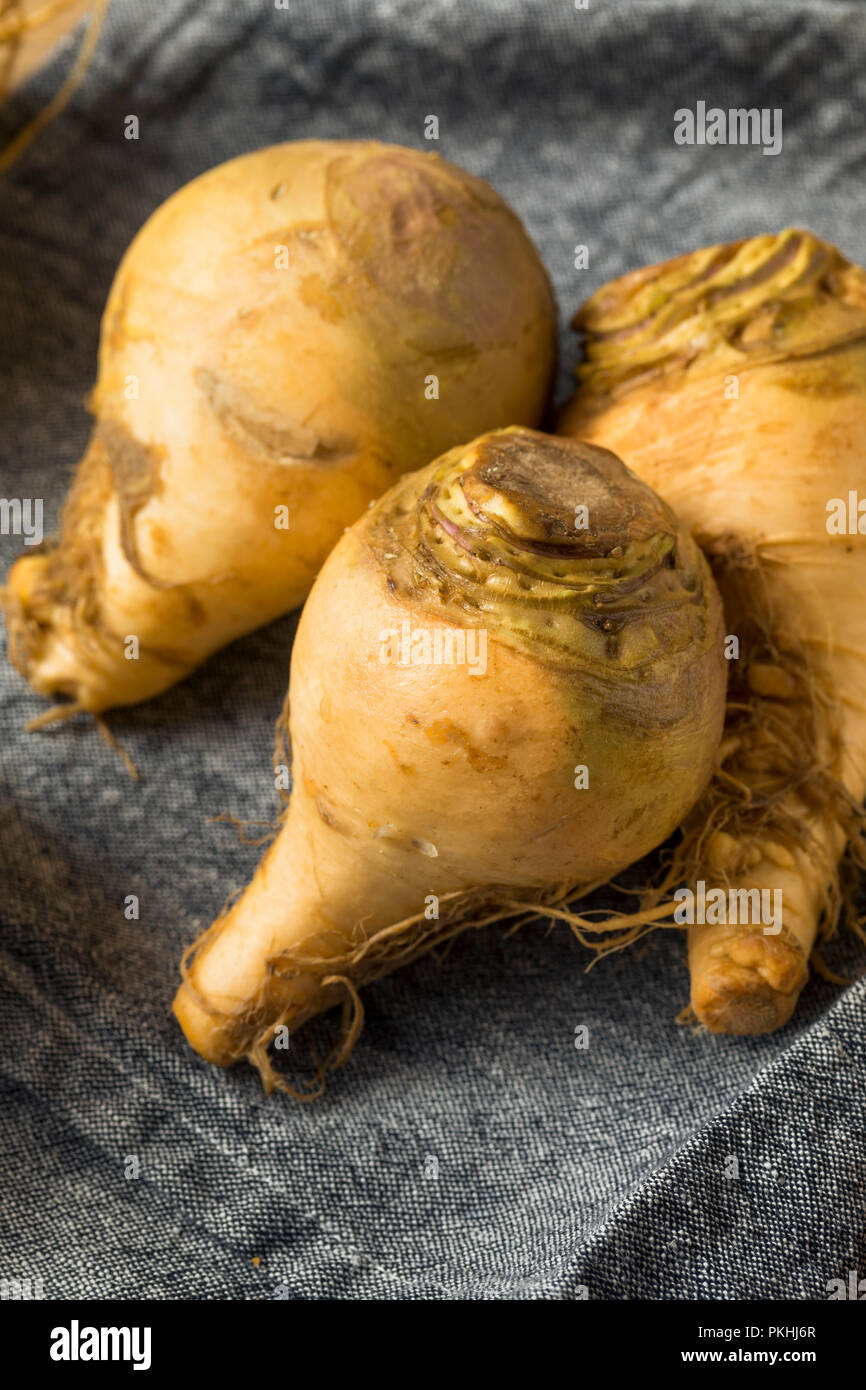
<point x="552" y="545"/>
<point x="721" y="309"/>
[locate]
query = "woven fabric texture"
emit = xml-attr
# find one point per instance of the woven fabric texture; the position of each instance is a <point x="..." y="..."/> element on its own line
<point x="469" y="1149"/>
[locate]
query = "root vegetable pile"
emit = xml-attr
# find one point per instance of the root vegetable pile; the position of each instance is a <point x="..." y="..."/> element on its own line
<point x="528" y="662"/>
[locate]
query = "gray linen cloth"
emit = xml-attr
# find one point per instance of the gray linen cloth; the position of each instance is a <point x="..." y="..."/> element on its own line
<point x="469" y="1149"/>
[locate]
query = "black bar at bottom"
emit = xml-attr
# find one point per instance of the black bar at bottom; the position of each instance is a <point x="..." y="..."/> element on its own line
<point x="265" y="1337"/>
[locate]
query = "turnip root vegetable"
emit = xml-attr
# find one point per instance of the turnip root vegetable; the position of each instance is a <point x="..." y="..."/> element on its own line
<point x="733" y="380"/>
<point x="284" y="338"/>
<point x="507" y="681"/>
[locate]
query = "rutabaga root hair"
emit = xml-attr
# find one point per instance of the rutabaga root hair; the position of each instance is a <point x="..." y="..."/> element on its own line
<point x="370" y="958"/>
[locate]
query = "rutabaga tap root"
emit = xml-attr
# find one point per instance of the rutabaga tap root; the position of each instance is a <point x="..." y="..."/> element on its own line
<point x="284" y="338"/>
<point x="431" y="795"/>
<point x="734" y="381"/>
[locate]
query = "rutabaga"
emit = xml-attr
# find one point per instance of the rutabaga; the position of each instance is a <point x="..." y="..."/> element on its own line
<point x="284" y="338"/>
<point x="782" y="319"/>
<point x="428" y="798"/>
